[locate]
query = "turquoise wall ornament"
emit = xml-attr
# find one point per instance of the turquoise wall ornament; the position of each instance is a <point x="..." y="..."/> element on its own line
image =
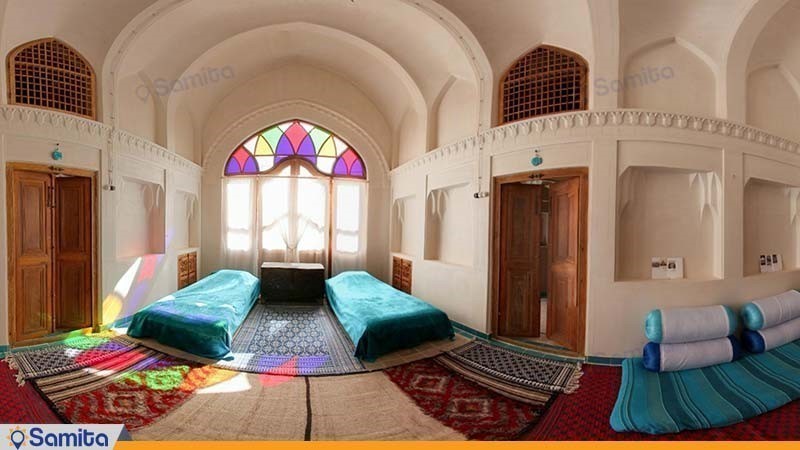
<point x="537" y="160"/>
<point x="57" y="155"/>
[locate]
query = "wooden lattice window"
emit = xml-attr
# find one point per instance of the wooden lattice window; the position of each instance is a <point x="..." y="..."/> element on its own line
<point x="547" y="80"/>
<point x="48" y="73"/>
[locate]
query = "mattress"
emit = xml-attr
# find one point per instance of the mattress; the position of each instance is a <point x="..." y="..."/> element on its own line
<point x="716" y="396"/>
<point x="379" y="318"/>
<point x="202" y="317"/>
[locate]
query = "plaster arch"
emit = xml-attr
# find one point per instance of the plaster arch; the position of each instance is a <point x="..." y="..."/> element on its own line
<point x="375" y="72"/>
<point x="439" y="23"/>
<point x="673" y="54"/>
<point x="733" y="105"/>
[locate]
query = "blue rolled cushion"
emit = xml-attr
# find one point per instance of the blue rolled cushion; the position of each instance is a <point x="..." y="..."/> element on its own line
<point x="673" y="357"/>
<point x="759" y="341"/>
<point x="753" y="342"/>
<point x="771" y="311"/>
<point x="683" y="325"/>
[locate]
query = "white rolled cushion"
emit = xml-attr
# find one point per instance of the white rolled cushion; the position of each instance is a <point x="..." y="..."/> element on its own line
<point x="681" y="325"/>
<point x="693" y="355"/>
<point x="771" y="311"/>
<point x="773" y="337"/>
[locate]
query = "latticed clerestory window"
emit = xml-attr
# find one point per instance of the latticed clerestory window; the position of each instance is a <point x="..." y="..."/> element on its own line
<point x="547" y="80"/>
<point x="48" y="73"/>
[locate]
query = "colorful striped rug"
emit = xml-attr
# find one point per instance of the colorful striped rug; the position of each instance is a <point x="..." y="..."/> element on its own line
<point x="68" y="355"/>
<point x="669" y="402"/>
<point x="135" y="388"/>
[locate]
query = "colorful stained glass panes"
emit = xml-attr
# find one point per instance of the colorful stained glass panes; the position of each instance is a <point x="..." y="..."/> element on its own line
<point x="296" y="140"/>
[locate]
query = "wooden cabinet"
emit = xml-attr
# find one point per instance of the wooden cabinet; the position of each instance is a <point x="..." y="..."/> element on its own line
<point x="187" y="269"/>
<point x="401" y="274"/>
<point x="292" y="283"/>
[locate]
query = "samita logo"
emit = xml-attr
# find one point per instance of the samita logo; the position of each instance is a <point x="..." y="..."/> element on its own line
<point x="34" y="436"/>
<point x="17" y="437"/>
<point x="79" y="438"/>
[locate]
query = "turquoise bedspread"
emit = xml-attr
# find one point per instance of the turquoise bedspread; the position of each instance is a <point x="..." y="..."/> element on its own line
<point x="200" y="318"/>
<point x="669" y="402"/>
<point x="379" y="318"/>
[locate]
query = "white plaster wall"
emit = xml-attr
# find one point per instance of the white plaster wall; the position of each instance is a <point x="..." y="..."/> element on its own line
<point x="138" y="115"/>
<point x="458" y="113"/>
<point x="28" y="135"/>
<point x="773" y="103"/>
<point x="666" y="77"/>
<point x="183" y="134"/>
<point x="608" y="143"/>
<point x="770" y="225"/>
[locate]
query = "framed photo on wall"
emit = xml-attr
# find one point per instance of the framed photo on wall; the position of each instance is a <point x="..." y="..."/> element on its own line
<point x="666" y="268"/>
<point x="772" y="262"/>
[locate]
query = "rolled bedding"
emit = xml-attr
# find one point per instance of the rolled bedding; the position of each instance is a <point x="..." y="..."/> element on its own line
<point x="693" y="355"/>
<point x="683" y="325"/>
<point x="771" y="311"/>
<point x="759" y="341"/>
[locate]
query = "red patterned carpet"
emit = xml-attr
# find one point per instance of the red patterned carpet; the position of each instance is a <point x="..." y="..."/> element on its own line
<point x="21" y="404"/>
<point x="579" y="416"/>
<point x="468" y="408"/>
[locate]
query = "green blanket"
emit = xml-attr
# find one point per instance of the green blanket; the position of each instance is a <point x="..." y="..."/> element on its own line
<point x="200" y="318"/>
<point x="379" y="318"/>
<point x="716" y="396"/>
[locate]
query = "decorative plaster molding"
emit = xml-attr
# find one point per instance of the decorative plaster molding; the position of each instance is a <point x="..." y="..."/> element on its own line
<point x="69" y="128"/>
<point x="612" y="118"/>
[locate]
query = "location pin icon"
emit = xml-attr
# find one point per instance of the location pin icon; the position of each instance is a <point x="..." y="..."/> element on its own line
<point x="17" y="438"/>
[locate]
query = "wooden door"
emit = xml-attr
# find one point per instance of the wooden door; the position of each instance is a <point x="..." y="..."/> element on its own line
<point x="73" y="253"/>
<point x="563" y="309"/>
<point x="30" y="246"/>
<point x="520" y="228"/>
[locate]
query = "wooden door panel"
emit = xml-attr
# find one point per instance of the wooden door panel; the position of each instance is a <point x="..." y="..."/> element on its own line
<point x="519" y="261"/>
<point x="73" y="256"/>
<point x="72" y="310"/>
<point x="34" y="318"/>
<point x="32" y="216"/>
<point x="519" y="316"/>
<point x="30" y="220"/>
<point x="562" y="309"/>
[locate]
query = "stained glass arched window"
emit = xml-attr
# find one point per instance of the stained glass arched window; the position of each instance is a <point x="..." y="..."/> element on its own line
<point x="295" y="139"/>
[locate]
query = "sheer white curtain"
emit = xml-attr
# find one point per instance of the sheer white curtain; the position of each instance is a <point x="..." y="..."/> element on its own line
<point x="349" y="246"/>
<point x="278" y="218"/>
<point x="239" y="215"/>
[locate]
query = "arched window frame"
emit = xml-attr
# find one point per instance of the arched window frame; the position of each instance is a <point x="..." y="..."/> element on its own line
<point x="261" y="150"/>
<point x="86" y="107"/>
<point x="582" y="73"/>
<point x="249" y="237"/>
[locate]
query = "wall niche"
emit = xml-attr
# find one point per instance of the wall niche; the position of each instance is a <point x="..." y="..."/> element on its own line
<point x="449" y="225"/>
<point x="185" y="221"/>
<point x="140" y="218"/>
<point x="404" y="235"/>
<point x="668" y="212"/>
<point x="771" y="224"/>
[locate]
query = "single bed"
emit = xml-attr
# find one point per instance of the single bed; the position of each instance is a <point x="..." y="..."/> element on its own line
<point x="379" y="318"/>
<point x="201" y="318"/>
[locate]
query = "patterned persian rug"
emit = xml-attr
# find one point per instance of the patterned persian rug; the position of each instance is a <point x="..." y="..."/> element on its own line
<point x="292" y="340"/>
<point x="467" y="407"/>
<point x="68" y="355"/>
<point x="511" y="373"/>
<point x="135" y="388"/>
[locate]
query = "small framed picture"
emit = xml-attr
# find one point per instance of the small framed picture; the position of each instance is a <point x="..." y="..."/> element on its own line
<point x="770" y="263"/>
<point x="666" y="268"/>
